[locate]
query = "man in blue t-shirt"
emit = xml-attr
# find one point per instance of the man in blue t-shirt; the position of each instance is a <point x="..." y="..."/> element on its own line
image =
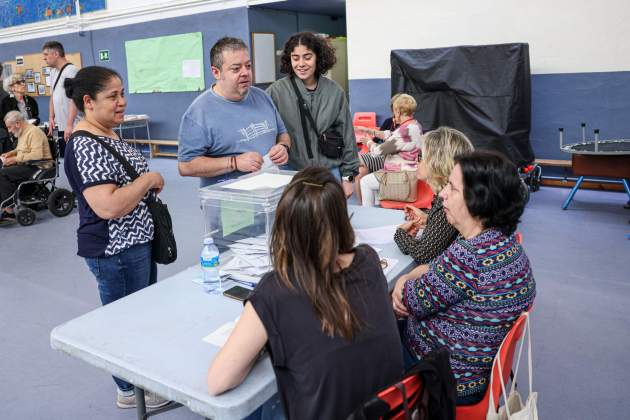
<point x="230" y="128"/>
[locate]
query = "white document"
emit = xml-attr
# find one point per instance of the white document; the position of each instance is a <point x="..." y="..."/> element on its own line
<point x="191" y="68"/>
<point x="254" y="241"/>
<point x="376" y="236"/>
<point x="219" y="336"/>
<point x="249" y="247"/>
<point x="267" y="163"/>
<point x="261" y="181"/>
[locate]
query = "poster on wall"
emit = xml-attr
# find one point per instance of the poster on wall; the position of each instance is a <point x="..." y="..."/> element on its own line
<point x="20" y="12"/>
<point x="165" y="64"/>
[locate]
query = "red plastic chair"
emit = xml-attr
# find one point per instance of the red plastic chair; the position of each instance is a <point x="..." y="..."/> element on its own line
<point x="480" y="410"/>
<point x="365" y="119"/>
<point x="423" y="201"/>
<point x="390" y="403"/>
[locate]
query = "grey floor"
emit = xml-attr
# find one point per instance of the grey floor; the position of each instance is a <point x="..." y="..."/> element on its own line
<point x="581" y="319"/>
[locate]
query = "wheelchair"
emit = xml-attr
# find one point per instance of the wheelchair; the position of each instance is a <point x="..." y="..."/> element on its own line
<point x="40" y="192"/>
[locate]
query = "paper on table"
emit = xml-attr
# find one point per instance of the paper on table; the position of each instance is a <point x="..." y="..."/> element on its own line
<point x="254" y="241"/>
<point x="191" y="68"/>
<point x="261" y="181"/>
<point x="219" y="336"/>
<point x="377" y="235"/>
<point x="249" y="247"/>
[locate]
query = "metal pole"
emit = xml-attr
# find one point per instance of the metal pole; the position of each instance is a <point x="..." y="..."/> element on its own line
<point x="561" y="132"/>
<point x="583" y="132"/>
<point x="596" y="140"/>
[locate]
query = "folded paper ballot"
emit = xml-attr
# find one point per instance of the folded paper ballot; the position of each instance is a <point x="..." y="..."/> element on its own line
<point x="376" y="236"/>
<point x="219" y="336"/>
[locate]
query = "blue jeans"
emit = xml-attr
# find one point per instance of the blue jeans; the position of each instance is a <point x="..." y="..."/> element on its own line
<point x="122" y="274"/>
<point x="271" y="409"/>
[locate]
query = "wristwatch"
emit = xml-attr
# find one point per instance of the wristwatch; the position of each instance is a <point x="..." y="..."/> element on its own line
<point x="286" y="146"/>
<point x="349" y="178"/>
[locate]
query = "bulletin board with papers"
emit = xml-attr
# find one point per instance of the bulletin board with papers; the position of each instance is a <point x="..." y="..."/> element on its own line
<point x="165" y="64"/>
<point x="36" y="73"/>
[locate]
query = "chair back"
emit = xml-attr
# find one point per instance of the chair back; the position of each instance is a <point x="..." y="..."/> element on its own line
<point x="423" y="201"/>
<point x="364" y="119"/>
<point x="393" y="396"/>
<point x="506" y="351"/>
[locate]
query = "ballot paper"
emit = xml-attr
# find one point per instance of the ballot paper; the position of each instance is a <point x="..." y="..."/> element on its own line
<point x="267" y="163"/>
<point x="219" y="336"/>
<point x="376" y="236"/>
<point x="263" y="180"/>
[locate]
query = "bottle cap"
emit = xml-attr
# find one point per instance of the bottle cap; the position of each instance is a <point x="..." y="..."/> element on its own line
<point x="208" y="241"/>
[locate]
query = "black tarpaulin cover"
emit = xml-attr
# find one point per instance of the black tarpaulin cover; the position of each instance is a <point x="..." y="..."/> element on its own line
<point x="483" y="91"/>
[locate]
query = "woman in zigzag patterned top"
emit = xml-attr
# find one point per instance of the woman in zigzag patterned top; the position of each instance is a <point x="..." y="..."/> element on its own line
<point x="115" y="226"/>
<point x="468" y="298"/>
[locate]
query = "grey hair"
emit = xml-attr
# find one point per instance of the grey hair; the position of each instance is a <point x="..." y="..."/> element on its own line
<point x="13" y="117"/>
<point x="11" y="80"/>
<point x="224" y="44"/>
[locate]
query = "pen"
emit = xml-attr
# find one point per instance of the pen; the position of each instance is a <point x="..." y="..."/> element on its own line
<point x="246" y="283"/>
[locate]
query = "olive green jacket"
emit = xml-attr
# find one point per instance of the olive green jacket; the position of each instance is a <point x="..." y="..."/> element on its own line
<point x="329" y="108"/>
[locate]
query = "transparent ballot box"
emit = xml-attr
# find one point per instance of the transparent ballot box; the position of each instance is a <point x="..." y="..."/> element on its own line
<point x="243" y="208"/>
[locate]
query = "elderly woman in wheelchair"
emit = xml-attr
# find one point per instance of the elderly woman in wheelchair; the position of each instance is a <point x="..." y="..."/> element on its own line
<point x="28" y="173"/>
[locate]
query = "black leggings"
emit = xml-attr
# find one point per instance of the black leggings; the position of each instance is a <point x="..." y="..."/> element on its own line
<point x="11" y="177"/>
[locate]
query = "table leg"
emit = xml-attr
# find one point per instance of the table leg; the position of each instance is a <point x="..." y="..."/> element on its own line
<point x="141" y="408"/>
<point x="626" y="185"/>
<point x="572" y="193"/>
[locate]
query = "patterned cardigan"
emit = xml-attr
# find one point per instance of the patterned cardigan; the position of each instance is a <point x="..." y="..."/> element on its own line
<point x="468" y="301"/>
<point x="401" y="148"/>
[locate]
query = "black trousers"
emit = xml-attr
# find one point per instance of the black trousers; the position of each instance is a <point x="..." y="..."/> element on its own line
<point x="6" y="144"/>
<point x="11" y="177"/>
<point x="61" y="143"/>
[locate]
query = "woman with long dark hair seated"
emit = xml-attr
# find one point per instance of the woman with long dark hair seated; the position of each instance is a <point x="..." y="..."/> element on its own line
<point x="324" y="312"/>
<point x="468" y="298"/>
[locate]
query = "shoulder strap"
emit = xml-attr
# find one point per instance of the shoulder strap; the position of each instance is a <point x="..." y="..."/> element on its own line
<point x="124" y="162"/>
<point x="304" y="112"/>
<point x="59" y="75"/>
<point x="303" y="106"/>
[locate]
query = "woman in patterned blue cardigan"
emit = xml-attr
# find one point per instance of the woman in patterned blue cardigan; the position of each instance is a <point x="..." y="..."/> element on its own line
<point x="468" y="298"/>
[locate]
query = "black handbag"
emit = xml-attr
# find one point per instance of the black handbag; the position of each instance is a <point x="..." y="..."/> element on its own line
<point x="330" y="142"/>
<point x="163" y="247"/>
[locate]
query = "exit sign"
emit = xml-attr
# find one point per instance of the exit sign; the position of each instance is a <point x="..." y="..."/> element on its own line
<point x="103" y="55"/>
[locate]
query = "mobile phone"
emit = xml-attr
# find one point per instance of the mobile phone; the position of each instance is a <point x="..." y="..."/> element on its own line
<point x="237" y="292"/>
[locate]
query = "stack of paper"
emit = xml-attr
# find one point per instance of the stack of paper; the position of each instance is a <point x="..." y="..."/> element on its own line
<point x="250" y="260"/>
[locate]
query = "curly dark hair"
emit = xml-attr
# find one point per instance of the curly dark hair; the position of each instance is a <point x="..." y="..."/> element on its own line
<point x="493" y="190"/>
<point x="324" y="52"/>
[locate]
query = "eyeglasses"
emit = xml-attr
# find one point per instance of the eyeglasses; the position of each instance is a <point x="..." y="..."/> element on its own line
<point x="19" y="82"/>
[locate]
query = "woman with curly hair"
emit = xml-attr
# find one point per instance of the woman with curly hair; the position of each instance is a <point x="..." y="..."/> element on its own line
<point x="305" y="59"/>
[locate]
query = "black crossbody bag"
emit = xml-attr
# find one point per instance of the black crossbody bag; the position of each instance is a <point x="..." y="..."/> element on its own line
<point x="330" y="142"/>
<point x="163" y="246"/>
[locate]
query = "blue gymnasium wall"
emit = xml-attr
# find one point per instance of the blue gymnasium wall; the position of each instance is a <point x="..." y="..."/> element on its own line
<point x="601" y="100"/>
<point x="165" y="109"/>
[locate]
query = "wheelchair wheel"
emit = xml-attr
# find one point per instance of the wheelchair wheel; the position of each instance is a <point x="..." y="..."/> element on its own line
<point x="61" y="202"/>
<point x="25" y="216"/>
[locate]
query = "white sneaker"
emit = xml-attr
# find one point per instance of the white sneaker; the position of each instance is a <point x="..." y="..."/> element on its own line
<point x="153" y="400"/>
<point x="125" y="401"/>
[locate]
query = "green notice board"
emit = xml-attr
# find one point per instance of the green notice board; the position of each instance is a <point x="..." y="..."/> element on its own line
<point x="165" y="64"/>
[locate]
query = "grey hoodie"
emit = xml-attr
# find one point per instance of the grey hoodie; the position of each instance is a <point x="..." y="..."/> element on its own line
<point x="329" y="108"/>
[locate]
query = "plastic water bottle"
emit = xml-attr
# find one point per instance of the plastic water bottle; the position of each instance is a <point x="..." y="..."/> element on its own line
<point x="210" y="267"/>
